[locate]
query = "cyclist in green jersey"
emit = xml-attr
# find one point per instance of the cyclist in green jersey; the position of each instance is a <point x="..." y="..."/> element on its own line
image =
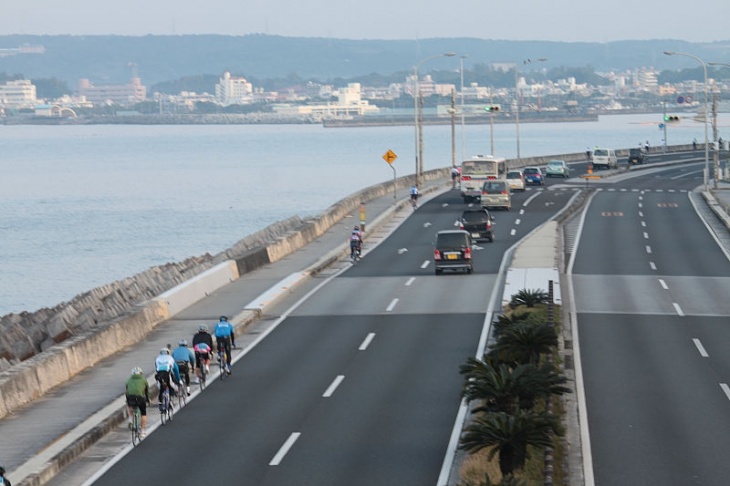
<point x="138" y="395"/>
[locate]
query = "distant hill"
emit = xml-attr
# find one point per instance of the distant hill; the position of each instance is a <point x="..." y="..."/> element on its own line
<point x="113" y="59"/>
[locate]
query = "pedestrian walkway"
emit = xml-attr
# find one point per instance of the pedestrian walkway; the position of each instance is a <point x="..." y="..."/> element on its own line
<point x="51" y="431"/>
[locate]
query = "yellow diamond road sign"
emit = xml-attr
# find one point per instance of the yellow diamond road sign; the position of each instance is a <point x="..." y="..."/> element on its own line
<point x="389" y="156"/>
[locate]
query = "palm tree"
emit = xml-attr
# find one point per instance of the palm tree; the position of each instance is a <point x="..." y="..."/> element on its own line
<point x="503" y="388"/>
<point x="504" y="322"/>
<point x="529" y="298"/>
<point x="510" y="435"/>
<point x="524" y="343"/>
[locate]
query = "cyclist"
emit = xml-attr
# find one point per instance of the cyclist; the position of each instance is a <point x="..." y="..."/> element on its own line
<point x="203" y="347"/>
<point x="185" y="360"/>
<point x="355" y="243"/>
<point x="166" y="372"/>
<point x="224" y="337"/>
<point x="137" y="393"/>
<point x="454" y="176"/>
<point x="414" y="195"/>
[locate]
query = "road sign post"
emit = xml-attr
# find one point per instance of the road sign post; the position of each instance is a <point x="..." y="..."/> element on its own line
<point x="389" y="157"/>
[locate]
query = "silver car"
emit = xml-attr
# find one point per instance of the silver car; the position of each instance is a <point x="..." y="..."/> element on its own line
<point x="496" y="194"/>
<point x="557" y="168"/>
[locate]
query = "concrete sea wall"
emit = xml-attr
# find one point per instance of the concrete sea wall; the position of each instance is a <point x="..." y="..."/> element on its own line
<point x="46" y="348"/>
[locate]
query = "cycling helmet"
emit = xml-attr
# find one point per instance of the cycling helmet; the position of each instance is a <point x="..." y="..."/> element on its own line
<point x="224" y="318"/>
<point x="164" y="351"/>
<point x="183" y="342"/>
<point x="2" y="471"/>
<point x="203" y="328"/>
<point x="356" y="227"/>
<point x="137" y="370"/>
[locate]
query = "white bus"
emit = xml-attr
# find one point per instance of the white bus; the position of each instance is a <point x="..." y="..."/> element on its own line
<point x="476" y="171"/>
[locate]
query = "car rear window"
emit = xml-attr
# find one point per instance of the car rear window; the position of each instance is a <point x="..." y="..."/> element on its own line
<point x="474" y="217"/>
<point x="555" y="163"/>
<point x="513" y="175"/>
<point x="634" y="151"/>
<point x="494" y="186"/>
<point x="531" y="170"/>
<point x="601" y="152"/>
<point x="451" y="240"/>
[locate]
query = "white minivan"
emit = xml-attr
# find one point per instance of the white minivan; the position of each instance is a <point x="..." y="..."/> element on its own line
<point x="604" y="159"/>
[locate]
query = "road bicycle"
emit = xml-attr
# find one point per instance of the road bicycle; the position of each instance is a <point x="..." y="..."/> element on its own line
<point x="222" y="364"/>
<point x="355" y="252"/>
<point x="182" y="394"/>
<point x="136" y="426"/>
<point x="203" y="370"/>
<point x="165" y="405"/>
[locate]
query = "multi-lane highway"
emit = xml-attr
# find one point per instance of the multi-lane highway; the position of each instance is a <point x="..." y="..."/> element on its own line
<point x="359" y="385"/>
<point x="651" y="290"/>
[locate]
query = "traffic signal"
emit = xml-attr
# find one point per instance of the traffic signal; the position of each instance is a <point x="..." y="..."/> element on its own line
<point x="671" y="118"/>
<point x="491" y="109"/>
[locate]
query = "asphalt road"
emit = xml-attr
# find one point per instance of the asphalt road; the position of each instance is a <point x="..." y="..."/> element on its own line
<point x="651" y="292"/>
<point x="359" y="384"/>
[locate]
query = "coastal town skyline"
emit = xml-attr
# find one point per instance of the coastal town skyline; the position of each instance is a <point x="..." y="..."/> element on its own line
<point x="560" y="21"/>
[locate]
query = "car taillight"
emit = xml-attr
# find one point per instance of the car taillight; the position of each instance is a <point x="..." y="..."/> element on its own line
<point x="467" y="254"/>
<point x="505" y="192"/>
<point x="489" y="225"/>
<point x="461" y="226"/>
<point x="436" y="255"/>
<point x="484" y="193"/>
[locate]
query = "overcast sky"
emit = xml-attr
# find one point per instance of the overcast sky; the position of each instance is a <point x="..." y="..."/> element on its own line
<point x="556" y="20"/>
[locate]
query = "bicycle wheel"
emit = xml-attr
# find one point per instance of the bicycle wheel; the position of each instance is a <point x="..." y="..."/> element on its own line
<point x="201" y="380"/>
<point x="165" y="405"/>
<point x="136" y="419"/>
<point x="182" y="395"/>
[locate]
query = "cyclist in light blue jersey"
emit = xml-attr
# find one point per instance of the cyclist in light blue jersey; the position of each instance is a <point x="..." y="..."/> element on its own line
<point x="185" y="360"/>
<point x="166" y="371"/>
<point x="224" y="338"/>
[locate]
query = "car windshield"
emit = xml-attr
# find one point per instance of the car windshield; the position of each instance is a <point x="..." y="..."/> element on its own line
<point x="555" y="164"/>
<point x="474" y="217"/>
<point x="634" y="151"/>
<point x="601" y="152"/>
<point x="532" y="170"/>
<point x="451" y="240"/>
<point x="513" y="175"/>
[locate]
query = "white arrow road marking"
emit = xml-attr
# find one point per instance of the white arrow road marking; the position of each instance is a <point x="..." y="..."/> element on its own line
<point x="477" y="247"/>
<point x="444" y="205"/>
<point x="426" y="224"/>
<point x="402" y="251"/>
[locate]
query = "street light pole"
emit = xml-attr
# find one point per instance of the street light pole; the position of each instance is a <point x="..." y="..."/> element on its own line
<point x="718" y="149"/>
<point x="461" y="70"/>
<point x="707" y="141"/>
<point x="416" y="95"/>
<point x="517" y="99"/>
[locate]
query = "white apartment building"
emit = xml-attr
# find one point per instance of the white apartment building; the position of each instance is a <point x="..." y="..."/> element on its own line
<point x="233" y="90"/>
<point x="19" y="94"/>
<point x="120" y="94"/>
<point x="349" y="102"/>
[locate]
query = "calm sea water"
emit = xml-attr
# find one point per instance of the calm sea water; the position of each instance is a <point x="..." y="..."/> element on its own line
<point x="82" y="206"/>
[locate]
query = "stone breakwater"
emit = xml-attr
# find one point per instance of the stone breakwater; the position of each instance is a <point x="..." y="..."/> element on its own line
<point x="24" y="335"/>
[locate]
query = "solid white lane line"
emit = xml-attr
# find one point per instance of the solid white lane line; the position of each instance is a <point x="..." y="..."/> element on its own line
<point x="284" y="449"/>
<point x="663" y="284"/>
<point x="425" y="263"/>
<point x="726" y="389"/>
<point x="678" y="309"/>
<point x="648" y="249"/>
<point x="368" y="339"/>
<point x="646" y="235"/>
<point x="333" y="386"/>
<point x="410" y="281"/>
<point x="652" y="265"/>
<point x="700" y="348"/>
<point x="391" y="305"/>
<point x="529" y="199"/>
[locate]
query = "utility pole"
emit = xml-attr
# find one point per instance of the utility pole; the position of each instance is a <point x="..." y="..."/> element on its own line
<point x="420" y="136"/>
<point x="664" y="117"/>
<point x="453" y="128"/>
<point x="716" y="154"/>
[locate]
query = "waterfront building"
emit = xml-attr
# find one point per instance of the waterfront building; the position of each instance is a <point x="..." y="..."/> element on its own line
<point x="120" y="94"/>
<point x="18" y="94"/>
<point x="233" y="90"/>
<point x="349" y="103"/>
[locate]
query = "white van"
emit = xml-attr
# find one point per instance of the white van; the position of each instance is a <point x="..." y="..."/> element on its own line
<point x="604" y="159"/>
